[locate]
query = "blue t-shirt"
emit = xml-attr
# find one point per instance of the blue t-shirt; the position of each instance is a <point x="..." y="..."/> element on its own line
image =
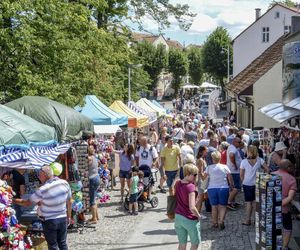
<point x="125" y="162"/>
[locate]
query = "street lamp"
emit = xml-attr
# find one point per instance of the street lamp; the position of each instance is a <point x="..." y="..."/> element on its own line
<point x="130" y="66"/>
<point x="228" y="61"/>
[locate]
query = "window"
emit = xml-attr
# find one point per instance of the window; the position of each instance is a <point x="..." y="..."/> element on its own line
<point x="277" y="14"/>
<point x="287" y="29"/>
<point x="265" y="34"/>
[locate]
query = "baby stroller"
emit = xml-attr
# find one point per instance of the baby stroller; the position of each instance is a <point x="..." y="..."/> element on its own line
<point x="144" y="190"/>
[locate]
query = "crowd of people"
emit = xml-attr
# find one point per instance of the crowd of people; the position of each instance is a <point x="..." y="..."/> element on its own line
<point x="200" y="161"/>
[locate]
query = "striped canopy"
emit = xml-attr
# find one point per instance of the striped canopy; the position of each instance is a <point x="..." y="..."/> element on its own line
<point x="34" y="157"/>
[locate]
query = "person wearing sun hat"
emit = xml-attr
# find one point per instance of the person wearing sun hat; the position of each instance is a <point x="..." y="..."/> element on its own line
<point x="279" y="154"/>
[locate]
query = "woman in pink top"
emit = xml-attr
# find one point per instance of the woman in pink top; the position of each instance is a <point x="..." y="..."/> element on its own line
<point x="186" y="214"/>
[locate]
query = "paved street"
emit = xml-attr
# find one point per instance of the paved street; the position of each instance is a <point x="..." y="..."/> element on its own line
<point x="151" y="230"/>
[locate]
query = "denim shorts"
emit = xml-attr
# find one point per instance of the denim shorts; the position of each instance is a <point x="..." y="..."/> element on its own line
<point x="249" y="193"/>
<point x="185" y="227"/>
<point x="125" y="174"/>
<point x="94" y="185"/>
<point x="236" y="181"/>
<point x="133" y="198"/>
<point x="218" y="196"/>
<point x="171" y="176"/>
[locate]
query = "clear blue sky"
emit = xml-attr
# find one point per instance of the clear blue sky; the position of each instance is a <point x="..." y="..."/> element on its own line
<point x="234" y="15"/>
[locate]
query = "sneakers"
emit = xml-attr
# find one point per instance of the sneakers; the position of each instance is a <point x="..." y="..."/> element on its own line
<point x="130" y="213"/>
<point x="135" y="213"/>
<point x="162" y="190"/>
<point x="231" y="207"/>
<point x="203" y="217"/>
<point x="237" y="204"/>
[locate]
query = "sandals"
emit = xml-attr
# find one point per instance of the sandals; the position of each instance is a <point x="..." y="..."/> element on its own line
<point x="222" y="226"/>
<point x="215" y="225"/>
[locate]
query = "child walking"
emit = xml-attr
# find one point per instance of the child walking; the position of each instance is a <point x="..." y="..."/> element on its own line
<point x="134" y="191"/>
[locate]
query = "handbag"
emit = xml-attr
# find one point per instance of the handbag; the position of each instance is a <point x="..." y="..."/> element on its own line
<point x="171" y="204"/>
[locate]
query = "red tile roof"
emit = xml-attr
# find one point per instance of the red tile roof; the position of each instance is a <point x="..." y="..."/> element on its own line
<point x="260" y="66"/>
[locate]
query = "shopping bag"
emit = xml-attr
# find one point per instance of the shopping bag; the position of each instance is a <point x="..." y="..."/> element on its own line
<point x="171" y="206"/>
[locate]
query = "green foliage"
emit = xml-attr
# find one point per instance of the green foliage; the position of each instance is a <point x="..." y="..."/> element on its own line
<point x="195" y="64"/>
<point x="288" y="3"/>
<point x="154" y="60"/>
<point x="178" y="66"/>
<point x="214" y="53"/>
<point x="53" y="48"/>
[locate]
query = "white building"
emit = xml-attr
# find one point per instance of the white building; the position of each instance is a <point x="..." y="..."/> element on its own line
<point x="260" y="35"/>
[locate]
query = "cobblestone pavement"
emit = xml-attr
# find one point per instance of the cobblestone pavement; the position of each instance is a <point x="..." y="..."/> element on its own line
<point x="151" y="230"/>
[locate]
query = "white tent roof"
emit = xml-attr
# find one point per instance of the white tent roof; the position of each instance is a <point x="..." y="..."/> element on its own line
<point x="208" y="85"/>
<point x="189" y="86"/>
<point x="106" y="129"/>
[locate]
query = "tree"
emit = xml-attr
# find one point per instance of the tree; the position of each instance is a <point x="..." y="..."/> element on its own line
<point x="154" y="60"/>
<point x="195" y="64"/>
<point x="53" y="49"/>
<point x="288" y="3"/>
<point x="214" y="53"/>
<point x="178" y="66"/>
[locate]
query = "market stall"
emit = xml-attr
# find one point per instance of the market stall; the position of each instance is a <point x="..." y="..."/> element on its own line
<point x="135" y="120"/>
<point x="150" y="107"/>
<point x="100" y="114"/>
<point x="151" y="115"/>
<point x="68" y="124"/>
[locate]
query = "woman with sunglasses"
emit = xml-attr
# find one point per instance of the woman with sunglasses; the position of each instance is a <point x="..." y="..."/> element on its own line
<point x="186" y="214"/>
<point x="218" y="189"/>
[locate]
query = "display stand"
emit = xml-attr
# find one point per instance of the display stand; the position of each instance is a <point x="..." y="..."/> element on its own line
<point x="83" y="170"/>
<point x="268" y="215"/>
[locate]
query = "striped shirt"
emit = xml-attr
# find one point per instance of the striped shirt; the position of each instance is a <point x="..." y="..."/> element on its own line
<point x="52" y="197"/>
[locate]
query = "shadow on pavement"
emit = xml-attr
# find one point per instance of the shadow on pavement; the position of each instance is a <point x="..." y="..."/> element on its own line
<point x="167" y="245"/>
<point x="166" y="221"/>
<point x="161" y="232"/>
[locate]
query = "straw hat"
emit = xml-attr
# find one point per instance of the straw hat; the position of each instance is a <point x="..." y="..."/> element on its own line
<point x="279" y="146"/>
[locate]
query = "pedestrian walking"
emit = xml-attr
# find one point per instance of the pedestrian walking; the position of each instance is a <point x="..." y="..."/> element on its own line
<point x="133" y="204"/>
<point x="126" y="162"/>
<point x="218" y="189"/>
<point x="248" y="170"/>
<point x="187" y="217"/>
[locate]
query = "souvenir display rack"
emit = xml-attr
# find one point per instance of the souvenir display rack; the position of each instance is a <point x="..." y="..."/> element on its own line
<point x="83" y="170"/>
<point x="268" y="215"/>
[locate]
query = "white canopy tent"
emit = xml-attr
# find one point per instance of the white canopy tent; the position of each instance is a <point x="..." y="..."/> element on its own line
<point x="107" y="129"/>
<point x="208" y="85"/>
<point x="189" y="86"/>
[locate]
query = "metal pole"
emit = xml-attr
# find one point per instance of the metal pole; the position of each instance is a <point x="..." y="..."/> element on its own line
<point x="228" y="64"/>
<point x="129" y="86"/>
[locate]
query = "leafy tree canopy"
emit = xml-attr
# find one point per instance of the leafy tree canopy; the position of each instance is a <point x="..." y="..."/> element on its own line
<point x="154" y="60"/>
<point x="215" y="54"/>
<point x="178" y="66"/>
<point x="288" y="3"/>
<point x="195" y="64"/>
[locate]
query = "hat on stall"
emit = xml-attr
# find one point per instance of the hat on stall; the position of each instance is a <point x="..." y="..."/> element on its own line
<point x="279" y="146"/>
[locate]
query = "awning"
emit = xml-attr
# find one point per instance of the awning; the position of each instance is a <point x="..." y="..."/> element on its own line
<point x="295" y="103"/>
<point x="152" y="116"/>
<point x="34" y="157"/>
<point x="135" y="120"/>
<point x="279" y="112"/>
<point x="150" y="107"/>
<point x="107" y="129"/>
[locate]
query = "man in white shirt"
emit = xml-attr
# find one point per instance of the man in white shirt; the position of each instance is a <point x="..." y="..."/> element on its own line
<point x="233" y="162"/>
<point x="224" y="129"/>
<point x="146" y="154"/>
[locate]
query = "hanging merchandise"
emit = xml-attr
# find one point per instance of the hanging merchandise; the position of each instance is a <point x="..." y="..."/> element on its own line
<point x="57" y="168"/>
<point x="268" y="215"/>
<point x="11" y="237"/>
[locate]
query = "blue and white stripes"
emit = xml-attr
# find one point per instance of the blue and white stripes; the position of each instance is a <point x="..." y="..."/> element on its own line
<point x="33" y="157"/>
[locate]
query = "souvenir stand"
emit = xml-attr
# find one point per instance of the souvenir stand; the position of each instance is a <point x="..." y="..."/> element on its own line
<point x="69" y="126"/>
<point x="101" y="115"/>
<point x="19" y="140"/>
<point x="268" y="215"/>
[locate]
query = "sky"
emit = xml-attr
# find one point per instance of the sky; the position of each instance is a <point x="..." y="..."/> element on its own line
<point x="234" y="15"/>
